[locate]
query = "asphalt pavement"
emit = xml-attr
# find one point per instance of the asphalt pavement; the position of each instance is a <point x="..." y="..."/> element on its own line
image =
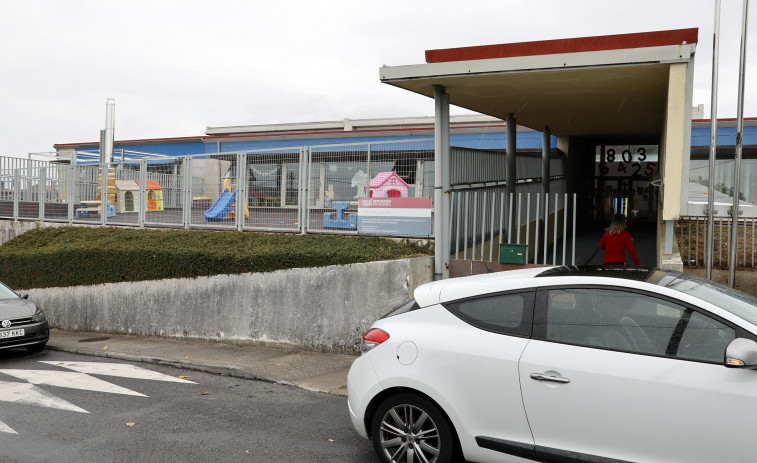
<point x="311" y="370"/>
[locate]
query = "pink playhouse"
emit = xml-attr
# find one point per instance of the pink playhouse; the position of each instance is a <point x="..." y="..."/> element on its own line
<point x="388" y="185"/>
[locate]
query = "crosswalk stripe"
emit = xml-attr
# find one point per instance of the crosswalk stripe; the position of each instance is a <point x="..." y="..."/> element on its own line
<point x="28" y="394"/>
<point x="5" y="428"/>
<point x="116" y="369"/>
<point x="71" y="380"/>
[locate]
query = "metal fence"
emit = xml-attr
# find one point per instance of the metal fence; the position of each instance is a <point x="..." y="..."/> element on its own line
<point x="484" y="219"/>
<point x="305" y="189"/>
<point x="691" y="235"/>
<point x="286" y="189"/>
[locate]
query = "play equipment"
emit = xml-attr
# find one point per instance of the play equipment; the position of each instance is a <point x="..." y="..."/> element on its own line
<point x="92" y="208"/>
<point x="111" y="182"/>
<point x="388" y="185"/>
<point x="154" y="192"/>
<point x="340" y="218"/>
<point x="225" y="204"/>
<point x="128" y="198"/>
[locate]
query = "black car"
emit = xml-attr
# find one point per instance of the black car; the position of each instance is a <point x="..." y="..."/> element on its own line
<point x="22" y="323"/>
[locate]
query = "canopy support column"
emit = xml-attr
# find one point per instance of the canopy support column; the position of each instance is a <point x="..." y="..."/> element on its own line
<point x="442" y="238"/>
<point x="546" y="138"/>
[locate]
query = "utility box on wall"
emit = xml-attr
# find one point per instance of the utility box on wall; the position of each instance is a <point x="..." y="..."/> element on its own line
<point x="513" y="253"/>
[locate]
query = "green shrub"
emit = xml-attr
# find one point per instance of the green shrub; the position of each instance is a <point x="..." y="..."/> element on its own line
<point x="70" y="256"/>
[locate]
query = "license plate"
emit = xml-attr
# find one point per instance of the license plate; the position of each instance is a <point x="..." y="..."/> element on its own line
<point x="11" y="333"/>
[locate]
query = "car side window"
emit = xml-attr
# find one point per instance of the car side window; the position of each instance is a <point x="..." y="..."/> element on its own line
<point x="501" y="313"/>
<point x="633" y="322"/>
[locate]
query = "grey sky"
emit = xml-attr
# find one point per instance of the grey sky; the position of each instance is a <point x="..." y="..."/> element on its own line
<point x="177" y="66"/>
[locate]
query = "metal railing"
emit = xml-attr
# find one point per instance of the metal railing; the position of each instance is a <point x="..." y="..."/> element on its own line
<point x="691" y="235"/>
<point x="484" y="219"/>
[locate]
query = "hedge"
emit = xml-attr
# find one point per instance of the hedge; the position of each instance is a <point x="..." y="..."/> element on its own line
<point x="70" y="256"/>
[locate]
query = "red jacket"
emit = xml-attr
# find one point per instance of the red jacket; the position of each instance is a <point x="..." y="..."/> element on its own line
<point x="615" y="247"/>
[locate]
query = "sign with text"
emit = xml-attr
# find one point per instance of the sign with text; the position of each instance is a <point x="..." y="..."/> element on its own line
<point x="394" y="216"/>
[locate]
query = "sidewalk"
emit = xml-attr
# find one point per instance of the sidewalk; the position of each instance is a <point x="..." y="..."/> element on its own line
<point x="315" y="371"/>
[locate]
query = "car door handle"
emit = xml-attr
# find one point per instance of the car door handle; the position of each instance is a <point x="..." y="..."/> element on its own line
<point x="554" y="379"/>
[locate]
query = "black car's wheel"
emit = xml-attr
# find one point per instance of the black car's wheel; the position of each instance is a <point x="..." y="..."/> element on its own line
<point x="410" y="429"/>
<point x="36" y="348"/>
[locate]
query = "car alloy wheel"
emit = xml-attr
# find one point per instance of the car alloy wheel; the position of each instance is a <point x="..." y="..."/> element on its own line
<point x="410" y="429"/>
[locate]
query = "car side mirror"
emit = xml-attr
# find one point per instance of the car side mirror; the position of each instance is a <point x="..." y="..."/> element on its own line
<point x="741" y="353"/>
<point x="23" y="295"/>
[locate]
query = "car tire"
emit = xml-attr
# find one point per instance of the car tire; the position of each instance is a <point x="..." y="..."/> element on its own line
<point x="406" y="424"/>
<point x="36" y="348"/>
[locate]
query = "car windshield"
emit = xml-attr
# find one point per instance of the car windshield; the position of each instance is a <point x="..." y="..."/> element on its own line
<point x="7" y="293"/>
<point x="736" y="302"/>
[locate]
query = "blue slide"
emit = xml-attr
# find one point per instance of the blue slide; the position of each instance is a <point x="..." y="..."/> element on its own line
<point x="221" y="207"/>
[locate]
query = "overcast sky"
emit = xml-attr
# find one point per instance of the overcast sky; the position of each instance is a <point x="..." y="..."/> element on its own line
<point x="175" y="67"/>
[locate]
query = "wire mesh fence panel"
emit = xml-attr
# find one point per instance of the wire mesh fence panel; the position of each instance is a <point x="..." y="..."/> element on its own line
<point x="213" y="190"/>
<point x="274" y="189"/>
<point x="8" y="191"/>
<point x="339" y="175"/>
<point x="163" y="199"/>
<point x="86" y="194"/>
<point x="55" y="180"/>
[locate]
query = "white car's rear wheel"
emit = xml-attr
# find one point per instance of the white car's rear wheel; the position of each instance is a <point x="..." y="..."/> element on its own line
<point x="410" y="429"/>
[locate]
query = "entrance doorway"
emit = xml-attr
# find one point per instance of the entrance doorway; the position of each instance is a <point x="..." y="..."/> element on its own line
<point x="624" y="182"/>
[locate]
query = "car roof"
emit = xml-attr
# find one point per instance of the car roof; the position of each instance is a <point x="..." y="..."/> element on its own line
<point x="460" y="288"/>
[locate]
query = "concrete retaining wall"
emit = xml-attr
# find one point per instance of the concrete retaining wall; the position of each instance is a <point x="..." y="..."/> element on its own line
<point x="10" y="229"/>
<point x="321" y="308"/>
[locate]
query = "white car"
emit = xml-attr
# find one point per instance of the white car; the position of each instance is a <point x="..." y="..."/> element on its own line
<point x="562" y="364"/>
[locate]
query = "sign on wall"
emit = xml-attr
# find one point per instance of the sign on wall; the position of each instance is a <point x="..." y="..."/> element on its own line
<point x="394" y="216"/>
<point x="627" y="164"/>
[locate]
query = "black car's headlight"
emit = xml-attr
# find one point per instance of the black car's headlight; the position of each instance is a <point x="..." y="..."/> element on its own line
<point x="39" y="316"/>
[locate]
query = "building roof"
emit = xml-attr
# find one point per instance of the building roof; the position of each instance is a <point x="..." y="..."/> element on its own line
<point x="603" y="87"/>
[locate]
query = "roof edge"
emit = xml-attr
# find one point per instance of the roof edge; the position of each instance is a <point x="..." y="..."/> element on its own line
<point x="572" y="45"/>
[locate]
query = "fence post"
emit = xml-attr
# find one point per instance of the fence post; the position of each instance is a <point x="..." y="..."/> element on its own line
<point x="546" y="227"/>
<point x="104" y="177"/>
<point x="41" y="192"/>
<point x="241" y="201"/>
<point x="142" y="192"/>
<point x="71" y="190"/>
<point x="536" y="231"/>
<point x="573" y="261"/>
<point x="307" y="157"/>
<point x="16" y="187"/>
<point x="186" y="164"/>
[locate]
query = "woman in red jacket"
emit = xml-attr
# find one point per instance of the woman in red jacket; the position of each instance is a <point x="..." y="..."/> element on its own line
<point x="616" y="240"/>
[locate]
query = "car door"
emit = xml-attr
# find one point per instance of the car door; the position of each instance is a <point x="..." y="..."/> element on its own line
<point x="630" y="376"/>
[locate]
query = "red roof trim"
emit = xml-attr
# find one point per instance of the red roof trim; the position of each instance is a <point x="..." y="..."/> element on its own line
<point x="576" y="45"/>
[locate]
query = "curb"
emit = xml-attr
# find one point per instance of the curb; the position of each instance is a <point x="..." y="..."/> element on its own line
<point x="206" y="368"/>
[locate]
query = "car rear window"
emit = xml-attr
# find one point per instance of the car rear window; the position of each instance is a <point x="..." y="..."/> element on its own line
<point x="510" y="313"/>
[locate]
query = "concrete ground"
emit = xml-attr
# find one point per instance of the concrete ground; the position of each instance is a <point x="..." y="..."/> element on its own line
<point x="315" y="371"/>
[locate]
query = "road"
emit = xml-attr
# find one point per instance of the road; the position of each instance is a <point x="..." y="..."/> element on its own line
<point x="63" y="407"/>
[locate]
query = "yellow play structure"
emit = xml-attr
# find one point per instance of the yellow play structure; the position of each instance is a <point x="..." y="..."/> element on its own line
<point x="111" y="185"/>
<point x="232" y="209"/>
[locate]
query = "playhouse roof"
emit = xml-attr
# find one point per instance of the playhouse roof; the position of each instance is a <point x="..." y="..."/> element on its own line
<point x="127" y="185"/>
<point x="152" y="185"/>
<point x="383" y="177"/>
